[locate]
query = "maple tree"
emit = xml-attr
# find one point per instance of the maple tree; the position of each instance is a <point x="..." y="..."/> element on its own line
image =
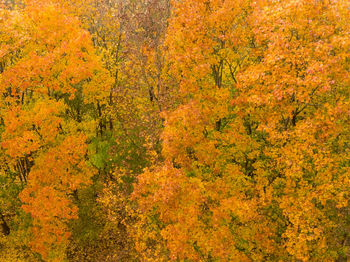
<point x="50" y="75"/>
<point x="256" y="155"/>
<point x="129" y="38"/>
<point x="157" y="130"/>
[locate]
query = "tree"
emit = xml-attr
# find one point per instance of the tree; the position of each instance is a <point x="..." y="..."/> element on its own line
<point x="294" y="88"/>
<point x="50" y="77"/>
<point x="252" y="166"/>
<point x="197" y="130"/>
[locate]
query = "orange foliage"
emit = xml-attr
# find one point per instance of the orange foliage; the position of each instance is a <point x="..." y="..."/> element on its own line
<point x="47" y="59"/>
<point x="255" y="154"/>
<point x="251" y="99"/>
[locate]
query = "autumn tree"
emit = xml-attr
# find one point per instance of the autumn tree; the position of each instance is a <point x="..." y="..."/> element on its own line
<point x="294" y="92"/>
<point x="129" y="36"/>
<point x="256" y="155"/>
<point x="50" y="79"/>
<point x="231" y="116"/>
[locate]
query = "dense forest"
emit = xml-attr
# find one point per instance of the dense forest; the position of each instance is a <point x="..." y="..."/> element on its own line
<point x="182" y="130"/>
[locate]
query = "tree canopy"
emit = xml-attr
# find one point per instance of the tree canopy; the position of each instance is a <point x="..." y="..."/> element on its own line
<point x="157" y="130"/>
